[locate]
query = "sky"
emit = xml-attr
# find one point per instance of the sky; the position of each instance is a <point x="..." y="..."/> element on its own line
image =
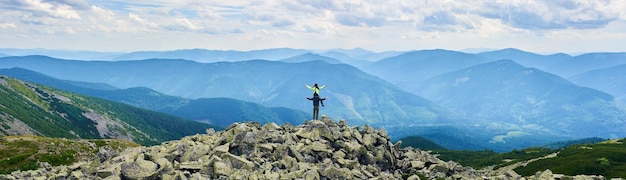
<point x="570" y="26"/>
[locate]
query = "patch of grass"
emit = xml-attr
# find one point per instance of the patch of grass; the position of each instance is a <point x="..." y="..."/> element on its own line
<point x="15" y="155"/>
<point x="24" y="152"/>
<point x="606" y="159"/>
<point x="481" y="159"/>
<point x="56" y="159"/>
<point x="28" y="92"/>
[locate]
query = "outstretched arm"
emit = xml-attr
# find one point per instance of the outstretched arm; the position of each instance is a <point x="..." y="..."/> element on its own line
<point x="307" y="86"/>
<point x="322" y="87"/>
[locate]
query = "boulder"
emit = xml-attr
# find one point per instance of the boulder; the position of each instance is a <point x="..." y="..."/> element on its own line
<point x="139" y="169"/>
<point x="221" y="169"/>
<point x="336" y="173"/>
<point x="417" y="164"/>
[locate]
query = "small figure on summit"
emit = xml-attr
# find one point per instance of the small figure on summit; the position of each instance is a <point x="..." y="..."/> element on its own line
<point x="316" y="104"/>
<point x="315" y="88"/>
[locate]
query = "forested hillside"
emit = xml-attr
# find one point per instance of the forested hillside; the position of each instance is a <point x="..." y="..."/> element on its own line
<point x="37" y="110"/>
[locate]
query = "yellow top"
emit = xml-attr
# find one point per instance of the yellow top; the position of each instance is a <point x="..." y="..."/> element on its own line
<point x="316" y="90"/>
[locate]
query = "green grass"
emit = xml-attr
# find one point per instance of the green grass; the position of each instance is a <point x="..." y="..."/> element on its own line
<point x="482" y="159"/>
<point x="607" y="159"/>
<point x="60" y="158"/>
<point x="23" y="152"/>
<point x="15" y="155"/>
<point x="28" y="92"/>
<point x="588" y="157"/>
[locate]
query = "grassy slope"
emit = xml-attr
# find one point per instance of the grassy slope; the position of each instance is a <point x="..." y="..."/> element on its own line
<point x="23" y="102"/>
<point x="481" y="159"/>
<point x="24" y="152"/>
<point x="41" y="109"/>
<point x="606" y="158"/>
<point x="586" y="156"/>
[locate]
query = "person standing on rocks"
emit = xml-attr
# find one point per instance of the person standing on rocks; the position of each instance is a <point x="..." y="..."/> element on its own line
<point x="316" y="104"/>
<point x="315" y="88"/>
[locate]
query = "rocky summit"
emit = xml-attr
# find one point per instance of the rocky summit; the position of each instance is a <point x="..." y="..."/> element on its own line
<point x="318" y="149"/>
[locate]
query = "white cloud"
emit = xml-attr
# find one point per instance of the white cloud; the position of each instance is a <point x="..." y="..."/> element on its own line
<point x="42" y="8"/>
<point x="548" y="15"/>
<point x="69" y="30"/>
<point x="184" y="23"/>
<point x="7" y="25"/>
<point x="391" y="24"/>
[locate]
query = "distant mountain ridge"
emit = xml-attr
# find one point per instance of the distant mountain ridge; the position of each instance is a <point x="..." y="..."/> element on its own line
<point x="527" y="59"/>
<point x="611" y="80"/>
<point x="587" y="62"/>
<point x="526" y="101"/>
<point x="311" y="57"/>
<point x="63" y="54"/>
<point x="410" y="69"/>
<point x="203" y="55"/>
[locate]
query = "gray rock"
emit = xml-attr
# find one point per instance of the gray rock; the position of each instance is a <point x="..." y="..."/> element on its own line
<point x="139" y="169"/>
<point x="210" y="131"/>
<point x="221" y="168"/>
<point x="336" y="173"/>
<point x="311" y="175"/>
<point x="413" y="177"/>
<point x="222" y="148"/>
<point x="417" y="164"/>
<point x="76" y="175"/>
<point x="238" y="162"/>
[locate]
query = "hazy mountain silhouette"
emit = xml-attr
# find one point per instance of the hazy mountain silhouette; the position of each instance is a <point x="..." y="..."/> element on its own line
<point x="311" y="57"/>
<point x="359" y="63"/>
<point x="525" y="101"/>
<point x="203" y="55"/>
<point x="64" y="54"/>
<point x="586" y="62"/>
<point x="527" y="59"/>
<point x="410" y="69"/>
<point x="611" y="80"/>
<point x="362" y="54"/>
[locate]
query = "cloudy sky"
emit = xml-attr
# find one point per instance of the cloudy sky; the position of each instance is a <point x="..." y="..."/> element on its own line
<point x="379" y="25"/>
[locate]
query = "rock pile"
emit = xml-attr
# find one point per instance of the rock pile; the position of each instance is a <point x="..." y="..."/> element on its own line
<point x="318" y="149"/>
